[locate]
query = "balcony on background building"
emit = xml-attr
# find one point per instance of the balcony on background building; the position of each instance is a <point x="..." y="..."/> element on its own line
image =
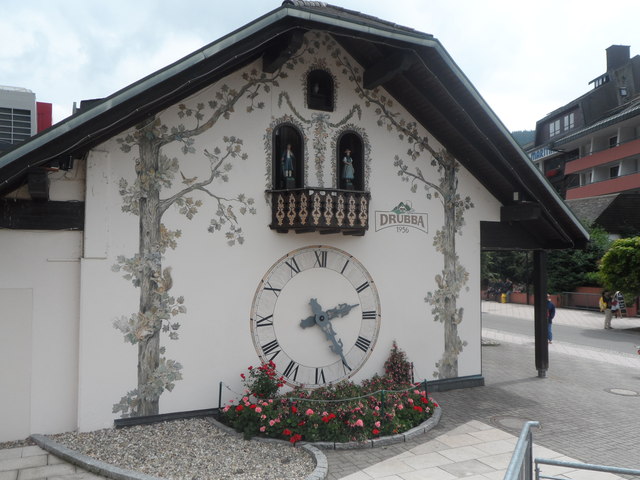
<point x="322" y="210"/>
<point x="626" y="183"/>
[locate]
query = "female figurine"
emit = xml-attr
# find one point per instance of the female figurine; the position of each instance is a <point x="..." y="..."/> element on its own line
<point x="348" y="172"/>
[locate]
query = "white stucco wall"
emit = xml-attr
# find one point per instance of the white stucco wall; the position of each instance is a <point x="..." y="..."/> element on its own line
<point x="39" y="291"/>
<point x="69" y="365"/>
<point x="218" y="282"/>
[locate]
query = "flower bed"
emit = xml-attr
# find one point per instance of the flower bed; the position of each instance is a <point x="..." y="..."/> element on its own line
<point x="344" y="412"/>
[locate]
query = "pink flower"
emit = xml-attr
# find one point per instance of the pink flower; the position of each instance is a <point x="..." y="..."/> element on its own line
<point x="377" y="424"/>
<point x="359" y="423"/>
<point x="272" y="422"/>
<point x="309" y="412"/>
<point x="262" y="417"/>
<point x="258" y="410"/>
<point x="263" y="428"/>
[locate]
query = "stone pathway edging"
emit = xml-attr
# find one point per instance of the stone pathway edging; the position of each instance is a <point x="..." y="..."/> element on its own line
<point x="90" y="464"/>
<point x="320" y="471"/>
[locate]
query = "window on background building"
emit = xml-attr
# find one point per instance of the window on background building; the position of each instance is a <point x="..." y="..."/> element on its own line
<point x="586" y="178"/>
<point x="15" y="125"/>
<point x="613" y="141"/>
<point x="554" y="128"/>
<point x="569" y="121"/>
<point x="614" y="171"/>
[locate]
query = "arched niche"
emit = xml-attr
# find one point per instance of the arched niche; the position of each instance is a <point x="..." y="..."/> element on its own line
<point x="350" y="161"/>
<point x="320" y="90"/>
<point x="288" y="158"/>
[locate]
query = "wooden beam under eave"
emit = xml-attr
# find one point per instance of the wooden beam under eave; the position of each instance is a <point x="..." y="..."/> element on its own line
<point x="506" y="236"/>
<point x="385" y="69"/>
<point x="520" y="212"/>
<point x="277" y="54"/>
<point x="51" y="215"/>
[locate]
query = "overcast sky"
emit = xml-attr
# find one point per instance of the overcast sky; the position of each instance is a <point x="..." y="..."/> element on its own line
<point x="526" y="58"/>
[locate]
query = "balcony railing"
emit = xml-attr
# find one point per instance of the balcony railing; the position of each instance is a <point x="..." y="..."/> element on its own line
<point x="320" y="210"/>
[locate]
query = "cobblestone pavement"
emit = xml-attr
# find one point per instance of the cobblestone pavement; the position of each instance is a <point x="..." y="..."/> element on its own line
<point x="588" y="404"/>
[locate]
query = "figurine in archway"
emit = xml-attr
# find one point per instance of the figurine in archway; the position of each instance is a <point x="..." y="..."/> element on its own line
<point x="348" y="172"/>
<point x="287" y="162"/>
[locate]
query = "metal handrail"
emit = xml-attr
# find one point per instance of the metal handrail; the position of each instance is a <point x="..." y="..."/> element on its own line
<point x="582" y="466"/>
<point x="520" y="466"/>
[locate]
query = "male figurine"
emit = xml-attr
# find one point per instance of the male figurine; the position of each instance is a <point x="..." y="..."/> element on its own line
<point x="287" y="162"/>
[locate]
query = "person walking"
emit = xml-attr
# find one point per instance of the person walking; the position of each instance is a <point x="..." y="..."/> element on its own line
<point x="551" y="312"/>
<point x="605" y="306"/>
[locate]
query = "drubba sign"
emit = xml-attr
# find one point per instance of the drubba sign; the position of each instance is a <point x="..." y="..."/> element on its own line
<point x="402" y="218"/>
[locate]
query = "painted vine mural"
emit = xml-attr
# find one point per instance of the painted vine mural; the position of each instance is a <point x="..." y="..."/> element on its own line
<point x="453" y="276"/>
<point x="156" y="174"/>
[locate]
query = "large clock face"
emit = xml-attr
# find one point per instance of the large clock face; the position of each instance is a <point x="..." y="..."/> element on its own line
<point x="316" y="315"/>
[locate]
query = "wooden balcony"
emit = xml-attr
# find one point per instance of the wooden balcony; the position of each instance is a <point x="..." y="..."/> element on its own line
<point x="322" y="210"/>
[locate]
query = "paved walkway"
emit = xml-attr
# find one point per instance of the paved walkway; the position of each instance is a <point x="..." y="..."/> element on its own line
<point x="587" y="405"/>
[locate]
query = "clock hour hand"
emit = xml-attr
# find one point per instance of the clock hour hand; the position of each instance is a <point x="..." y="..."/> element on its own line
<point x="311" y="320"/>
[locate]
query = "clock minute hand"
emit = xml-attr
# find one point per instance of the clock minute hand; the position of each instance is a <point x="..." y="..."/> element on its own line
<point x="340" y="311"/>
<point x="336" y="344"/>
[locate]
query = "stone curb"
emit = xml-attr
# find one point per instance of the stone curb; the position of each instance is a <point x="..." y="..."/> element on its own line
<point x="320" y="471"/>
<point x="87" y="463"/>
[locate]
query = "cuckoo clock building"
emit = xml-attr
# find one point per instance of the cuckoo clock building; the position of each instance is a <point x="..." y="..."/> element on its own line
<point x="307" y="190"/>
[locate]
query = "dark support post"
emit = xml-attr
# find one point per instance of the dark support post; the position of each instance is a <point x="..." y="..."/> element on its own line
<point x="540" y="311"/>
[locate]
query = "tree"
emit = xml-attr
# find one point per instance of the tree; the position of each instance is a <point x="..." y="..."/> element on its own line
<point x="571" y="268"/>
<point x="453" y="276"/>
<point x="155" y="173"/>
<point x="620" y="266"/>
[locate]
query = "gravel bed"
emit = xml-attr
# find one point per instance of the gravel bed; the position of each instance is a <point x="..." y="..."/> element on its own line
<point x="191" y="449"/>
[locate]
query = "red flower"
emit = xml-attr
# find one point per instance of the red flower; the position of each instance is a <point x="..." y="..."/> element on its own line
<point x="286" y="432"/>
<point x="328" y="418"/>
<point x="295" y="438"/>
<point x="252" y="407"/>
<point x="424" y="400"/>
<point x="294" y="409"/>
<point x="375" y="431"/>
<point x="418" y="408"/>
<point x="239" y="408"/>
<point x="300" y="424"/>
<point x="242" y="376"/>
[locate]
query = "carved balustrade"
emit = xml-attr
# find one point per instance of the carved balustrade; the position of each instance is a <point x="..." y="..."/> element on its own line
<point x="320" y="210"/>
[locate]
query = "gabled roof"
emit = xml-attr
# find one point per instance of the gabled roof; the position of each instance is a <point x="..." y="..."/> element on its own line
<point x="430" y="86"/>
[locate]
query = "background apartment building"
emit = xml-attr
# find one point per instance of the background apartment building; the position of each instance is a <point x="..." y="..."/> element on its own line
<point x="21" y="116"/>
<point x="589" y="149"/>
